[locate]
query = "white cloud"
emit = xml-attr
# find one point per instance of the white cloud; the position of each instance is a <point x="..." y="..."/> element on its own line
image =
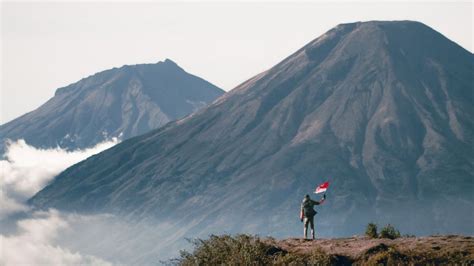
<point x="34" y="243"/>
<point x="9" y="205"/>
<point x="25" y="170"/>
<point x="61" y="238"/>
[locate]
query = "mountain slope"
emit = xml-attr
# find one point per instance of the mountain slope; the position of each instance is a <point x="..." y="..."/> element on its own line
<point x="383" y="110"/>
<point x="126" y="101"/>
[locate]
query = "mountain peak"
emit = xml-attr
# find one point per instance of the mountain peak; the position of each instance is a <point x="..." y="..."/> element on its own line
<point x="382" y="22"/>
<point x="167" y="65"/>
<point x="170" y="62"/>
<point x="128" y="101"/>
<point x="372" y="44"/>
<point x="400" y="24"/>
<point x="405" y="34"/>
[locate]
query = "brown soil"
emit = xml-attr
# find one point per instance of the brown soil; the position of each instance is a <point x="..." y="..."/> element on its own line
<point x="450" y="249"/>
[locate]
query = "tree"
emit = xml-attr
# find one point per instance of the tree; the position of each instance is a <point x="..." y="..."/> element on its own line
<point x="371" y="230"/>
<point x="389" y="232"/>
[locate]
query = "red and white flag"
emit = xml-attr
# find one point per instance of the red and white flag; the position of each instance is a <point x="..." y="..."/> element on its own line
<point x="322" y="188"/>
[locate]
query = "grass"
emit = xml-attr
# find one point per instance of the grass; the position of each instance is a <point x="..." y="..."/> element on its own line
<point x="229" y="250"/>
<point x="246" y="250"/>
<point x="253" y="250"/>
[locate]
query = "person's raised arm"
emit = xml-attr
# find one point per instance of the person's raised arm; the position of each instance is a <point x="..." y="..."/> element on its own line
<point x="323" y="199"/>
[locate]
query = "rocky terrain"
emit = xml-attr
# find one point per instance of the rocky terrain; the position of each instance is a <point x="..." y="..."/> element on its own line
<point x="381" y="110"/>
<point x="119" y="102"/>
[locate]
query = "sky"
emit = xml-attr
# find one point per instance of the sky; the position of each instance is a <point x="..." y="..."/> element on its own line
<point x="48" y="45"/>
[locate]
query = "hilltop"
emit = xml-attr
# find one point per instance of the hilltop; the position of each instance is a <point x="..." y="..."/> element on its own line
<point x="357" y="250"/>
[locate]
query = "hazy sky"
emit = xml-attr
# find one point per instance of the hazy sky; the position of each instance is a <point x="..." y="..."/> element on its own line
<point x="47" y="45"/>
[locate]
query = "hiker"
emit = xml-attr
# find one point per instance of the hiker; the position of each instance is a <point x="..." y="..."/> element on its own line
<point x="307" y="213"/>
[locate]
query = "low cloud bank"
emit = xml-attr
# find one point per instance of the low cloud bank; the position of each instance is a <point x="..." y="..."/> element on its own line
<point x="25" y="170"/>
<point x="51" y="237"/>
<point x="35" y="237"/>
<point x="34" y="243"/>
<point x="60" y="238"/>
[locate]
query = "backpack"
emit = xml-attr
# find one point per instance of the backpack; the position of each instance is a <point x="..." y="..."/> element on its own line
<point x="308" y="210"/>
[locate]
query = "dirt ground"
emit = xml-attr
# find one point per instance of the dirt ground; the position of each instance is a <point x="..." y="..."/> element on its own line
<point x="442" y="249"/>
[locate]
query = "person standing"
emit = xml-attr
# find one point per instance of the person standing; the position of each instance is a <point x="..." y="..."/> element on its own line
<point x="307" y="213"/>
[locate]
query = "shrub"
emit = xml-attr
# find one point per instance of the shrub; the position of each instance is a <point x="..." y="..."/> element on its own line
<point x="389" y="232"/>
<point x="371" y="230"/>
<point x="384" y="255"/>
<point x="226" y="249"/>
<point x="248" y="250"/>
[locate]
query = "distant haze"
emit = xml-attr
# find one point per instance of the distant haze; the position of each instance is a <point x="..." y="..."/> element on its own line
<point x="50" y="45"/>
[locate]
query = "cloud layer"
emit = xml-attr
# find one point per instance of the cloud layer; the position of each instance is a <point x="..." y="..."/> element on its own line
<point x="33" y="244"/>
<point x="51" y="237"/>
<point x="35" y="240"/>
<point x="25" y="170"/>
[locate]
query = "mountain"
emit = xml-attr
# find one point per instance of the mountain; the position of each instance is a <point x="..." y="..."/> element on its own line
<point x="382" y="110"/>
<point x="126" y="102"/>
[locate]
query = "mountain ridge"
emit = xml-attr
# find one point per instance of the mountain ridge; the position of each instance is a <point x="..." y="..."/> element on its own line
<point x="129" y="100"/>
<point x="123" y="67"/>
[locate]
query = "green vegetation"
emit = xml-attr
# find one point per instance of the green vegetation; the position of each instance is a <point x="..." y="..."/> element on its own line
<point x="383" y="255"/>
<point x="252" y="250"/>
<point x="390" y="255"/>
<point x="388" y="231"/>
<point x="217" y="250"/>
<point x="371" y="231"/>
<point x="247" y="250"/>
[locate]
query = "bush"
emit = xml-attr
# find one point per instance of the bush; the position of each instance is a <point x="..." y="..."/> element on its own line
<point x="248" y="250"/>
<point x="389" y="232"/>
<point x="226" y="249"/>
<point x="371" y="231"/>
<point x="384" y="255"/>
